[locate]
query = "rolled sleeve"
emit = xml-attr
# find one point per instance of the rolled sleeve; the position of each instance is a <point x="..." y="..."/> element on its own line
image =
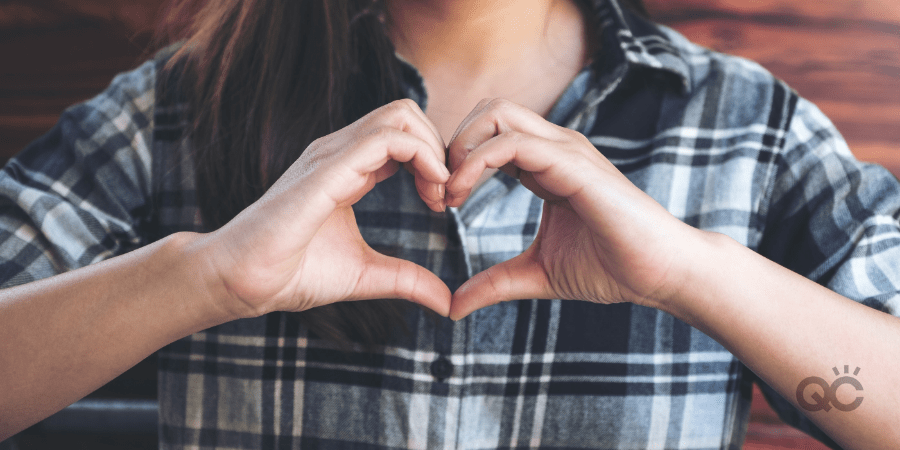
<point x="79" y="194"/>
<point x="833" y="218"/>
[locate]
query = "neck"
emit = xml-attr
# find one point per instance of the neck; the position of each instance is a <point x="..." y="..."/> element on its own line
<point x="477" y="38"/>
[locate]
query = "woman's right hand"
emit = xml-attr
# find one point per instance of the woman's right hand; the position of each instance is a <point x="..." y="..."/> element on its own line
<point x="299" y="247"/>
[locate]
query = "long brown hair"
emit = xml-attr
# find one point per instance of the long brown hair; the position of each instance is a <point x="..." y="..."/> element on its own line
<point x="264" y="79"/>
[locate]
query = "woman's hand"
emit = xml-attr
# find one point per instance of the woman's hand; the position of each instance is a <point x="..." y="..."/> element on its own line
<point x="601" y="239"/>
<point x="299" y="247"/>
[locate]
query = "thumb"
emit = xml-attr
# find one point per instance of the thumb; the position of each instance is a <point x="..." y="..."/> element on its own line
<point x="387" y="277"/>
<point x="519" y="278"/>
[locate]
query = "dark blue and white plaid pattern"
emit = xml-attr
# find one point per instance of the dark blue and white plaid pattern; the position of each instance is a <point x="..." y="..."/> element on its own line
<point x="715" y="139"/>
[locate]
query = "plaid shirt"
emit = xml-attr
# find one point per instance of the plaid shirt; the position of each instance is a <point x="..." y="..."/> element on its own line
<point x="715" y="139"/>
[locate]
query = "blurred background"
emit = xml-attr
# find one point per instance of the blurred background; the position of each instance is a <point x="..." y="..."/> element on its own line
<point x="844" y="55"/>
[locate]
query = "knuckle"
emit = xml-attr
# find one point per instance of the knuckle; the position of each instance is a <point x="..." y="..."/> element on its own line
<point x="406" y="106"/>
<point x="396" y="108"/>
<point x="410" y="103"/>
<point x="378" y="134"/>
<point x="499" y="110"/>
<point x="397" y="105"/>
<point x="401" y="112"/>
<point x="317" y="143"/>
<point x="501" y="104"/>
<point x="575" y="135"/>
<point x="405" y="281"/>
<point x="579" y="143"/>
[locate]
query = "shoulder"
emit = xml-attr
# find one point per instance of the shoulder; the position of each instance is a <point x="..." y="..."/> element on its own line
<point x="130" y="99"/>
<point x="112" y="128"/>
<point x="738" y="92"/>
<point x="77" y="194"/>
<point x="128" y="102"/>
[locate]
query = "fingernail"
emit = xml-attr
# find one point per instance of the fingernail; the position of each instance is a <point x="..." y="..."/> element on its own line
<point x="441" y="191"/>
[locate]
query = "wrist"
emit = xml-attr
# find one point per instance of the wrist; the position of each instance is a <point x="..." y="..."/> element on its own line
<point x="200" y="264"/>
<point x="704" y="256"/>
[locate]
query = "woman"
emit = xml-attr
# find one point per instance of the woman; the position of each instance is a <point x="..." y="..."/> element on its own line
<point x="642" y="175"/>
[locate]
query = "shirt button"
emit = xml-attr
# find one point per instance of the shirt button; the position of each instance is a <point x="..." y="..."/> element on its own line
<point x="442" y="368"/>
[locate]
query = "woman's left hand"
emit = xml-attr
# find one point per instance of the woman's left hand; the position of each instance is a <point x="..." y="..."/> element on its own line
<point x="601" y="239"/>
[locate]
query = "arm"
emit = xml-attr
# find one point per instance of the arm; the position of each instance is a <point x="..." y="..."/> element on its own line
<point x="832" y="220"/>
<point x="786" y="328"/>
<point x="67" y="335"/>
<point x="603" y="240"/>
<point x="296" y="248"/>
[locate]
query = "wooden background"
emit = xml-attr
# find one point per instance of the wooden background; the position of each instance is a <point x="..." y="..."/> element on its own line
<point x="844" y="55"/>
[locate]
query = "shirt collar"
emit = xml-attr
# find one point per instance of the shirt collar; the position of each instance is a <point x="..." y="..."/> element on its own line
<point x="632" y="40"/>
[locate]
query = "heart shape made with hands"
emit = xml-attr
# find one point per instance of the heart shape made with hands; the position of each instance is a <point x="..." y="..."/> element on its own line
<point x="588" y="246"/>
<point x="493" y="137"/>
<point x="601" y="239"/>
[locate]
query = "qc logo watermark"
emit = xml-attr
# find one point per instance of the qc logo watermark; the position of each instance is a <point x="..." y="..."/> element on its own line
<point x="827" y="399"/>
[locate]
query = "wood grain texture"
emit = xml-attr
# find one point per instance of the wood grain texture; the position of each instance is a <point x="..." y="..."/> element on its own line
<point x="57" y="53"/>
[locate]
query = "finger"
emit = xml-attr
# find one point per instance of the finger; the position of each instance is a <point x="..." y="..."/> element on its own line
<point x="386" y="171"/>
<point x="519" y="278"/>
<point x="388" y="144"/>
<point x="544" y="165"/>
<point x="437" y="134"/>
<point x="406" y="116"/>
<point x="490" y="118"/>
<point x="431" y="193"/>
<point x="350" y="175"/>
<point x="387" y="277"/>
<point x="456" y="156"/>
<point x="423" y="127"/>
<point x="429" y="171"/>
<point x="468" y="136"/>
<point x="511" y="170"/>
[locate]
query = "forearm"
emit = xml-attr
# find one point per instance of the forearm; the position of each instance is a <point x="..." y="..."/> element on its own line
<point x="67" y="335"/>
<point x="786" y="328"/>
